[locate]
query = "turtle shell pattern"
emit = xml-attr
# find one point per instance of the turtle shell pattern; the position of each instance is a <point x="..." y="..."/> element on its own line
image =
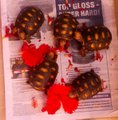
<point x="87" y="85"/>
<point x="43" y="76"/>
<point x="96" y="38"/>
<point x="29" y="20"/>
<point x="64" y="26"/>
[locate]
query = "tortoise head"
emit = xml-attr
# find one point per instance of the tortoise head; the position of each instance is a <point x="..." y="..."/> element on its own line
<point x="62" y="43"/>
<point x="73" y="94"/>
<point x="21" y="34"/>
<point x="78" y="36"/>
<point x="51" y="56"/>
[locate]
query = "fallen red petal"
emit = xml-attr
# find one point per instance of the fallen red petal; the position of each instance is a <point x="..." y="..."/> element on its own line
<point x="31" y="56"/>
<point x="34" y="102"/>
<point x="58" y="94"/>
<point x="98" y="56"/>
<point x="69" y="104"/>
<point x="76" y="69"/>
<point x="44" y="48"/>
<point x="63" y="81"/>
<point x="52" y="105"/>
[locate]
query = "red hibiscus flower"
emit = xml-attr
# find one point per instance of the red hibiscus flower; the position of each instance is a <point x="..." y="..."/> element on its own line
<point x="58" y="94"/>
<point x="33" y="56"/>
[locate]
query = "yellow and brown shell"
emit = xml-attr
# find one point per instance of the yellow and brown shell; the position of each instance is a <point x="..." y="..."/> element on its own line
<point x="29" y="20"/>
<point x="96" y="38"/>
<point x="64" y="26"/>
<point x="86" y="85"/>
<point x="43" y="76"/>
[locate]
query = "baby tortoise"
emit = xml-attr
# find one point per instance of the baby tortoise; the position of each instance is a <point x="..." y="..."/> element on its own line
<point x="86" y="85"/>
<point x="94" y="38"/>
<point x="28" y="22"/>
<point x="43" y="76"/>
<point x="64" y="27"/>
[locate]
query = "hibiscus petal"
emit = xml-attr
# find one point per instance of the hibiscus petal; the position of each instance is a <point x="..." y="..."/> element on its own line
<point x="69" y="104"/>
<point x="52" y="105"/>
<point x="44" y="49"/>
<point x="31" y="56"/>
<point x="59" y="93"/>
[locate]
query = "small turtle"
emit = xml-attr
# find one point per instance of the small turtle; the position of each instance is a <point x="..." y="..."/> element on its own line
<point x="86" y="85"/>
<point x="94" y="38"/>
<point x="43" y="76"/>
<point x="28" y="22"/>
<point x="64" y="27"/>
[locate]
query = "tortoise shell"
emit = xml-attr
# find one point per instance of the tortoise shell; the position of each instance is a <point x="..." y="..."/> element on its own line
<point x="43" y="76"/>
<point x="29" y="20"/>
<point x="96" y="38"/>
<point x="64" y="26"/>
<point x="86" y="85"/>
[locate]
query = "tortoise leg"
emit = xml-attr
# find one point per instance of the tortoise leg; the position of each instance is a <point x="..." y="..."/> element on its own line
<point x="14" y="31"/>
<point x="107" y="47"/>
<point x="21" y="35"/>
<point x="28" y="81"/>
<point x="82" y="52"/>
<point x="38" y="34"/>
<point x="28" y="39"/>
<point x="62" y="43"/>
